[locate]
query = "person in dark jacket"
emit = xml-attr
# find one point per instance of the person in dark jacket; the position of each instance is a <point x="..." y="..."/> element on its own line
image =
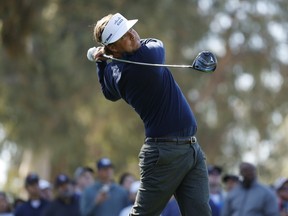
<point x="66" y="202"/>
<point x="35" y="204"/>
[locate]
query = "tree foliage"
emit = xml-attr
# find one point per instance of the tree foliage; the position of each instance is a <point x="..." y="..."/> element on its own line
<point x="50" y="97"/>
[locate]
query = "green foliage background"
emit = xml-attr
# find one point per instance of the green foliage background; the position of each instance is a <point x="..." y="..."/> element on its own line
<point x="50" y="99"/>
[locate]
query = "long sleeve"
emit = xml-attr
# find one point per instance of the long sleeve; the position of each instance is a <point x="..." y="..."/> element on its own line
<point x="107" y="82"/>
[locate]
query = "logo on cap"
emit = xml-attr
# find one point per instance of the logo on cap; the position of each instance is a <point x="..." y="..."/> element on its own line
<point x="116" y="28"/>
<point x="118" y="21"/>
<point x="108" y="38"/>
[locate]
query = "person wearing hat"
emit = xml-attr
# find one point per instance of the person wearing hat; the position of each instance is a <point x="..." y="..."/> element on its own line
<point x="230" y="181"/>
<point x="35" y="204"/>
<point x="46" y="189"/>
<point x="216" y="190"/>
<point x="281" y="188"/>
<point x="66" y="201"/>
<point x="171" y="160"/>
<point x="104" y="197"/>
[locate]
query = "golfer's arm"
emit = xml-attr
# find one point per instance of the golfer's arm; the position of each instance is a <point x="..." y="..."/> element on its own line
<point x="106" y="83"/>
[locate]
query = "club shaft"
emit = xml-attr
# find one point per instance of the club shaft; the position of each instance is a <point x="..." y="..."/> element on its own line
<point x="147" y="64"/>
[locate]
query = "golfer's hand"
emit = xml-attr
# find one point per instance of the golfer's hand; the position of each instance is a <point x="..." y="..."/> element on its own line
<point x="98" y="54"/>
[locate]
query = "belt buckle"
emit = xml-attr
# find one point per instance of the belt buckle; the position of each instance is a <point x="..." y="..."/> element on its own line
<point x="192" y="139"/>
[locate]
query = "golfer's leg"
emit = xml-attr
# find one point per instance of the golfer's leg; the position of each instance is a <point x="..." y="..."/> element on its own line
<point x="193" y="193"/>
<point x="151" y="197"/>
<point x="150" y="202"/>
<point x="162" y="171"/>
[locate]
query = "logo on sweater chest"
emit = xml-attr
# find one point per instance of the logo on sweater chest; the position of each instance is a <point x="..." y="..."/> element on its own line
<point x="116" y="73"/>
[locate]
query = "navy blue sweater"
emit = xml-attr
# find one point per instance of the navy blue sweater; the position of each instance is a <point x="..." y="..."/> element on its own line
<point x="151" y="91"/>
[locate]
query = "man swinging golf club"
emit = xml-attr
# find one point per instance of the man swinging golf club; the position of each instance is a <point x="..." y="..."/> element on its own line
<point x="171" y="160"/>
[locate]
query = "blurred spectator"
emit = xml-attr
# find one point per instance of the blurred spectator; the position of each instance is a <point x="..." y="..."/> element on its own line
<point x="281" y="187"/>
<point x="216" y="191"/>
<point x="35" y="204"/>
<point x="104" y="197"/>
<point x="84" y="177"/>
<point x="230" y="181"/>
<point x="172" y="208"/>
<point x="250" y="198"/>
<point x="17" y="202"/>
<point x="5" y="206"/>
<point x="126" y="180"/>
<point x="46" y="189"/>
<point x="66" y="202"/>
<point x="132" y="196"/>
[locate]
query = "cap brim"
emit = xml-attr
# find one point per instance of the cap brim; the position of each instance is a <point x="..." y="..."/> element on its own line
<point x="280" y="182"/>
<point x="122" y="31"/>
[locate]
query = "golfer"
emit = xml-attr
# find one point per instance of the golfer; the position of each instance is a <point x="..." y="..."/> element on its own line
<point x="171" y="160"/>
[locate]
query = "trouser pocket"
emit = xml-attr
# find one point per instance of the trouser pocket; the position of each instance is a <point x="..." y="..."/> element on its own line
<point x="148" y="159"/>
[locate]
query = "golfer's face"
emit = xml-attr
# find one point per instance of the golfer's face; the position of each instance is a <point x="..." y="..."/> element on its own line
<point x="129" y="42"/>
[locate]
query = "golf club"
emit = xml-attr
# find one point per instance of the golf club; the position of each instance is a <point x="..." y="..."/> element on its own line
<point x="205" y="61"/>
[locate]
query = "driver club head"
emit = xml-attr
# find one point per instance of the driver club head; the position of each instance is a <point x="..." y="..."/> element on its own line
<point x="205" y="61"/>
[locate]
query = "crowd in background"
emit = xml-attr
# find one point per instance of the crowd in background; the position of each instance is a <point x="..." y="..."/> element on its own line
<point x="245" y="195"/>
<point x="96" y="193"/>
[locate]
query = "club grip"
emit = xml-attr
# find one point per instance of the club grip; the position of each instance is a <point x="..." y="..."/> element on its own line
<point x="90" y="54"/>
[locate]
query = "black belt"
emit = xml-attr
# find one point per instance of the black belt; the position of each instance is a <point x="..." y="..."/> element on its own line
<point x="176" y="140"/>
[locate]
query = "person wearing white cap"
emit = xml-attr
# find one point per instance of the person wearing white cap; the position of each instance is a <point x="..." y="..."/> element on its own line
<point x="46" y="189"/>
<point x="116" y="28"/>
<point x="104" y="197"/>
<point x="171" y="160"/>
<point x="281" y="188"/>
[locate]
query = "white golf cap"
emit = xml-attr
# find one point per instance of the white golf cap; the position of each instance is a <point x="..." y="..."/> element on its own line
<point x="117" y="26"/>
<point x="280" y="182"/>
<point x="43" y="184"/>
